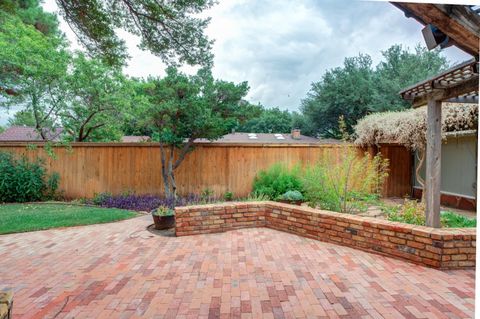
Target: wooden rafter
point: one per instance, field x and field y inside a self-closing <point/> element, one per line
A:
<point x="460" y="82"/>
<point x="458" y="22"/>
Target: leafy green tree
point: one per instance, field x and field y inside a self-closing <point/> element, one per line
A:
<point x="357" y="89"/>
<point x="32" y="66"/>
<point x="22" y="118"/>
<point x="171" y="30"/>
<point x="268" y="121"/>
<point x="301" y="122"/>
<point x="31" y="13"/>
<point x="184" y="108"/>
<point x="401" y="68"/>
<point x="95" y="98"/>
<point x="346" y="91"/>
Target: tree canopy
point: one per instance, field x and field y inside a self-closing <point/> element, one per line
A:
<point x="32" y="66"/>
<point x="22" y="118"/>
<point x="183" y="108"/>
<point x="171" y="30"/>
<point x="357" y="88"/>
<point x="31" y="13"/>
<point x="94" y="99"/>
<point x="268" y="121"/>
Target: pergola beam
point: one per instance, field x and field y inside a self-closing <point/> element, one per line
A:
<point x="462" y="26"/>
<point x="466" y="87"/>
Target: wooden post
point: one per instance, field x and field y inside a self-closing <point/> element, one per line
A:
<point x="433" y="167"/>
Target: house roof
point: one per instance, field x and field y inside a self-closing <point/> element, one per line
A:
<point x="135" y="138"/>
<point x="27" y="134"/>
<point x="266" y="138"/>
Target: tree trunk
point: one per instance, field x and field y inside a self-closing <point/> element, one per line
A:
<point x="169" y="165"/>
<point x="170" y="171"/>
<point x="165" y="175"/>
<point x="420" y="180"/>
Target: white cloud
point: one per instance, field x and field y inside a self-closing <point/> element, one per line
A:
<point x="280" y="46"/>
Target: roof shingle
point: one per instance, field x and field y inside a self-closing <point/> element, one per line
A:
<point x="27" y="134"/>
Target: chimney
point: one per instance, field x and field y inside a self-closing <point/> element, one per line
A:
<point x="296" y="134"/>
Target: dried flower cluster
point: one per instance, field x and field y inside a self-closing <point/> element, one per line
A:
<point x="409" y="127"/>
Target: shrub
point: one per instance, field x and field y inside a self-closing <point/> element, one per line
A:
<point x="450" y="219"/>
<point x="292" y="195"/>
<point x="413" y="212"/>
<point x="207" y="195"/>
<point x="25" y="181"/>
<point x="52" y="186"/>
<point x="338" y="184"/>
<point x="277" y="180"/>
<point x="228" y="196"/>
<point x="99" y="199"/>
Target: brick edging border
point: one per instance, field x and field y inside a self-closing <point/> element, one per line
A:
<point x="446" y="248"/>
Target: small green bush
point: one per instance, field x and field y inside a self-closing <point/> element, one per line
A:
<point x="100" y="198"/>
<point x="292" y="195"/>
<point x="24" y="181"/>
<point x="164" y="211"/>
<point x="411" y="212"/>
<point x="228" y="196"/>
<point x="207" y="195"/>
<point x="276" y="181"/>
<point x="450" y="219"/>
<point x="344" y="183"/>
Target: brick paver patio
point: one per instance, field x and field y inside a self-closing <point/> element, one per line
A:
<point x="120" y="270"/>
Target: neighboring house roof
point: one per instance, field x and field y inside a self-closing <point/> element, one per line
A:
<point x="266" y="138"/>
<point x="135" y="139"/>
<point x="28" y="134"/>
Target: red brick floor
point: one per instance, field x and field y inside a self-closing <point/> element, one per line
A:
<point x="119" y="270"/>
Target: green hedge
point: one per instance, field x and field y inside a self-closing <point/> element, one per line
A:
<point x="25" y="181"/>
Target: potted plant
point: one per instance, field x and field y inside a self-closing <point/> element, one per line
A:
<point x="163" y="217"/>
<point x="291" y="197"/>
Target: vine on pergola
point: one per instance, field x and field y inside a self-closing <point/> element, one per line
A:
<point x="409" y="128"/>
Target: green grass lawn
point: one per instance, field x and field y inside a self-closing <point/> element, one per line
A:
<point x="16" y="218"/>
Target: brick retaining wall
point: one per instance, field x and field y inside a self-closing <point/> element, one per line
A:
<point x="439" y="248"/>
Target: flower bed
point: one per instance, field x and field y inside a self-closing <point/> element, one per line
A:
<point x="439" y="248"/>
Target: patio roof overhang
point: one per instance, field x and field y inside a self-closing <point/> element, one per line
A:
<point x="457" y="84"/>
<point x="459" y="22"/>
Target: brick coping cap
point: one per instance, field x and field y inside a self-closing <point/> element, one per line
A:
<point x="420" y="230"/>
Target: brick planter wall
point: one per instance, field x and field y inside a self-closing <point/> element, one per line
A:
<point x="203" y="219"/>
<point x="439" y="248"/>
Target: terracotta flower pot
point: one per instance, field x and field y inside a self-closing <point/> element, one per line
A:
<point x="163" y="222"/>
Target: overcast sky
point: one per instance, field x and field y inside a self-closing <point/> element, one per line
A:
<point x="281" y="46"/>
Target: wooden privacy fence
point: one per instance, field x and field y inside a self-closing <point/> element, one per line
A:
<point x="89" y="168"/>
